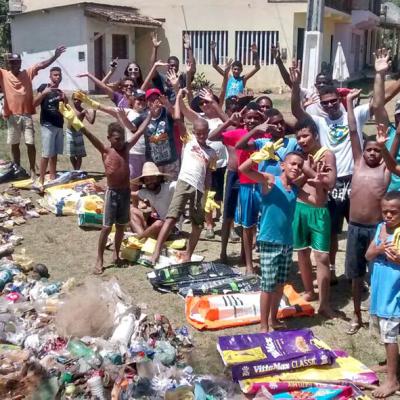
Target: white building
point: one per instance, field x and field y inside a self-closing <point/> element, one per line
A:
<point x="93" y="34"/>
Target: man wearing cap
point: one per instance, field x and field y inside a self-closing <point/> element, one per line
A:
<point x="18" y="103"/>
<point x="158" y="191"/>
<point x="159" y="135"/>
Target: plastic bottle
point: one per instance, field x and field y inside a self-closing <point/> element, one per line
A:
<point x="95" y="384"/>
<point x="79" y="349"/>
<point x="123" y="332"/>
<point x="5" y="276"/>
<point x="52" y="288"/>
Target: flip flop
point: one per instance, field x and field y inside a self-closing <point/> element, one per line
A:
<point x="354" y="328"/>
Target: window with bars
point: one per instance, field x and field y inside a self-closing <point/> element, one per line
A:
<point x="264" y="41"/>
<point x="201" y="46"/>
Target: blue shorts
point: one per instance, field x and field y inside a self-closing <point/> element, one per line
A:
<point x="248" y="206"/>
<point x="231" y="194"/>
<point x="52" y="140"/>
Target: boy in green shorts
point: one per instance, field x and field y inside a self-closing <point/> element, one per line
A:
<point x="312" y="224"/>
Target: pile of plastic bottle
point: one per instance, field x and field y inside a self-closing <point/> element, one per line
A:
<point x="139" y="357"/>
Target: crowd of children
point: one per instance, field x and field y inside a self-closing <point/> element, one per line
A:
<point x="285" y="193"/>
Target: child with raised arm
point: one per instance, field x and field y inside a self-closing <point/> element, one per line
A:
<point x="236" y="82"/>
<point x="278" y="199"/>
<point x="116" y="165"/>
<point x="371" y="177"/>
<point x="75" y="145"/>
<point x="193" y="182"/>
<point x="384" y="254"/>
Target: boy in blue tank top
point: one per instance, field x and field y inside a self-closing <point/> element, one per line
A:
<point x="385" y="287"/>
<point x="278" y="196"/>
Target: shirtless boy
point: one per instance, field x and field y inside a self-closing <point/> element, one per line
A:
<point x="116" y="165"/>
<point x="371" y="178"/>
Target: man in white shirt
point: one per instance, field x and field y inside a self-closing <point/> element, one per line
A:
<point x="334" y="134"/>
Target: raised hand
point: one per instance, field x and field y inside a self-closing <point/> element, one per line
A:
<point x="69" y="114"/>
<point x="186" y="41"/>
<point x="173" y="78"/>
<point x="213" y="45"/>
<point x="353" y="94"/>
<point x="160" y="63"/>
<point x="84" y="98"/>
<point x="295" y="73"/>
<point x="121" y="116"/>
<point x="207" y="95"/>
<point x="228" y="66"/>
<point x="254" y="48"/>
<point x="382" y="62"/>
<point x="381" y="135"/>
<point x="276" y="52"/>
<point x="59" y="50"/>
<point x="154" y="39"/>
<point x="236" y="118"/>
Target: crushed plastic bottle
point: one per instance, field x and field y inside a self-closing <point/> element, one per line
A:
<point x="95" y="385"/>
<point x="79" y="349"/>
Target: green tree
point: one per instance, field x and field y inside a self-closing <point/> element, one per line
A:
<point x="5" y="34"/>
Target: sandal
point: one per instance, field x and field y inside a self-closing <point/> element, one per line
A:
<point x="354" y="328"/>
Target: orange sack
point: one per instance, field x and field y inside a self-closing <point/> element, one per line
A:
<point x="222" y="311"/>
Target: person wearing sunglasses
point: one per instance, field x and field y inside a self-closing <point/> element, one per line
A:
<point x="119" y="97"/>
<point x="335" y="135"/>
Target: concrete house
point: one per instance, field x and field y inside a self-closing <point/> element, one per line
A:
<point x="95" y="32"/>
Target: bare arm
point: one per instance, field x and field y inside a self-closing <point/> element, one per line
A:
<point x="256" y="60"/>
<point x="374" y="251"/>
<point x="282" y="69"/>
<point x="136" y="133"/>
<point x="40" y="96"/>
<point x="106" y="89"/>
<point x="227" y="70"/>
<point x="382" y="64"/>
<point x="46" y="63"/>
<point x="152" y="74"/>
<point x="215" y="65"/>
<point x="244" y="144"/>
<point x="295" y="78"/>
<point x="90" y="116"/>
<point x="96" y="142"/>
<point x="354" y="138"/>
<point x="186" y="111"/>
<point x="247" y="168"/>
<point x="156" y="45"/>
<point x="189" y="52"/>
<point x="109" y="74"/>
<point x="216" y="134"/>
<point x="381" y="139"/>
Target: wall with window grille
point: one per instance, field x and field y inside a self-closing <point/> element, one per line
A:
<point x="263" y="39"/>
<point x="201" y="46"/>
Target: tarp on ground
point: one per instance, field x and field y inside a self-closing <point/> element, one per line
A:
<point x="230" y="310"/>
<point x="63" y="199"/>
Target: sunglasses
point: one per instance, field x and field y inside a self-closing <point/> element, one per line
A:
<point x="133" y="69"/>
<point x="329" y="102"/>
<point x="128" y="85"/>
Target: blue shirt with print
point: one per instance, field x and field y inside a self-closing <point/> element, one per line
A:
<point x="271" y="166"/>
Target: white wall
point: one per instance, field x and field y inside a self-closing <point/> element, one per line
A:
<point x="36" y="35"/>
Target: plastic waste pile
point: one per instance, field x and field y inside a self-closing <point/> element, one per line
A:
<point x="14" y="210"/>
<point x="69" y="341"/>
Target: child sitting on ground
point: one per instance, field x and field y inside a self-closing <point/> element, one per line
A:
<point x="278" y="203"/>
<point x="193" y="181"/>
<point x="116" y="165"/>
<point x="385" y="287"/>
<point x="75" y="145"/>
<point x="159" y="194"/>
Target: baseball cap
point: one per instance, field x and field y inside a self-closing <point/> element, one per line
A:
<point x="397" y="107"/>
<point x="13" y="57"/>
<point x="151" y="91"/>
<point x="138" y="93"/>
